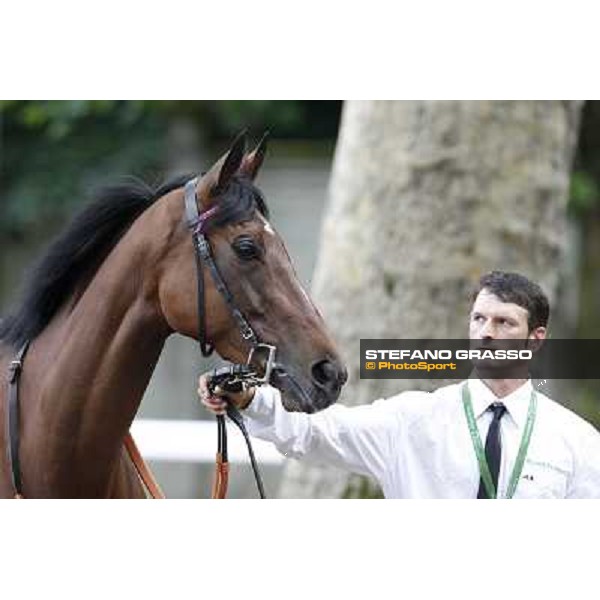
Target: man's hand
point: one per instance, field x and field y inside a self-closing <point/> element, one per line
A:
<point x="217" y="402"/>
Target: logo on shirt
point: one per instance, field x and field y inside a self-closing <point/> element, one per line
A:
<point x="547" y="466"/>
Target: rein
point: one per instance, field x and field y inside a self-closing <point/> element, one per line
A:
<point x="231" y="378"/>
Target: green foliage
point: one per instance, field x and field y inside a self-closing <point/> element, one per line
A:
<point x="360" y="487"/>
<point x="584" y="194"/>
<point x="53" y="152"/>
<point x="286" y="117"/>
<point x="58" y="119"/>
<point x="289" y="118"/>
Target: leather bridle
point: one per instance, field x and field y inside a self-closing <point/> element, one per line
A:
<point x="236" y="373"/>
<point x="12" y="420"/>
<point x="196" y="222"/>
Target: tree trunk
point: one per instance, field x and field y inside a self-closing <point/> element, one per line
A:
<point x="425" y="197"/>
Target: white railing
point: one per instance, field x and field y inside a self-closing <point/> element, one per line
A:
<point x="195" y="441"/>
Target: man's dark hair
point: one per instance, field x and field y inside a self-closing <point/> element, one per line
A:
<point x="515" y="288"/>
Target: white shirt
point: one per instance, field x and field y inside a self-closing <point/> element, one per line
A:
<point x="417" y="444"/>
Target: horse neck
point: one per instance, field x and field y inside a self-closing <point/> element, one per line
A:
<point x="97" y="361"/>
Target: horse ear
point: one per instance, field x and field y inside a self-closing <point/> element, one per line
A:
<point x="219" y="175"/>
<point x="252" y="162"/>
<point x="232" y="161"/>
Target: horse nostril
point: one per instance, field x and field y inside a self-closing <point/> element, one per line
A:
<point x="327" y="374"/>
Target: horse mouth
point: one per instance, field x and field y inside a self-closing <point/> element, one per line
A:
<point x="297" y="397"/>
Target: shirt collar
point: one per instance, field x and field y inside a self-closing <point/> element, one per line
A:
<point x="517" y="402"/>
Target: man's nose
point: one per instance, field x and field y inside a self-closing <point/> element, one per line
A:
<point x="487" y="331"/>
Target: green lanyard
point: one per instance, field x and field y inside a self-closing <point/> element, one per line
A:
<point x="480" y="453"/>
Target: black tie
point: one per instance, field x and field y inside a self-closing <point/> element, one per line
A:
<point x="493" y="447"/>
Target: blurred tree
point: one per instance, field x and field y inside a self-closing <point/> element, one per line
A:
<point x="425" y="197"/>
<point x="585" y="209"/>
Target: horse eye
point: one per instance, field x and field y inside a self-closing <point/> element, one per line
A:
<point x="246" y="248"/>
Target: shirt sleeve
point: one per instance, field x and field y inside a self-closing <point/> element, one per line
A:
<point x="585" y="482"/>
<point x="358" y="439"/>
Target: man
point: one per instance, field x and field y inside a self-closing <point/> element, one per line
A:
<point x="477" y="439"/>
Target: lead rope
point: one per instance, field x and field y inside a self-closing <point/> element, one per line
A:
<point x="234" y="378"/>
<point x="234" y="414"/>
<point x="221" y="477"/>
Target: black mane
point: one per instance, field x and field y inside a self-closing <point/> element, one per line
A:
<point x="77" y="253"/>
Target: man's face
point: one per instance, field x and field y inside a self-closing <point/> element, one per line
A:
<point x="493" y="319"/>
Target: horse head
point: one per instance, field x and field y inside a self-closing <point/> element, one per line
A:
<point x="256" y="269"/>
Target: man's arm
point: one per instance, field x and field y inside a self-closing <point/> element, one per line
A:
<point x="359" y="439"/>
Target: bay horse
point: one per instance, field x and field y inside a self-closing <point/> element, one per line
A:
<point x="100" y="304"/>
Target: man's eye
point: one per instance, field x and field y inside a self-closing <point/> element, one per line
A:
<point x="246" y="248"/>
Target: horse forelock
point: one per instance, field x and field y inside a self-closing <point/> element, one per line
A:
<point x="238" y="203"/>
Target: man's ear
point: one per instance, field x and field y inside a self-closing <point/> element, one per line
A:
<point x="536" y="338"/>
<point x="539" y="333"/>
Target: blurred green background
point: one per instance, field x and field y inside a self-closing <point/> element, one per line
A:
<point x="53" y="152"/>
